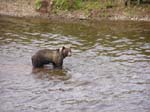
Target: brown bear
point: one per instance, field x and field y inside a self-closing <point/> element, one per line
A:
<point x="46" y="56"/>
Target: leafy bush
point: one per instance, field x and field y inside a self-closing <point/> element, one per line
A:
<point x="67" y="4"/>
<point x="38" y="4"/>
<point x="109" y="4"/>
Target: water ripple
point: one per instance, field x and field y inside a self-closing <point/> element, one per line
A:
<point x="108" y="71"/>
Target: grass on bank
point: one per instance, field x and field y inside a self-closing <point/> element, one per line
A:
<point x="100" y="6"/>
<point x="82" y="4"/>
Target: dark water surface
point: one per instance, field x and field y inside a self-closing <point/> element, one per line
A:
<point x="108" y="72"/>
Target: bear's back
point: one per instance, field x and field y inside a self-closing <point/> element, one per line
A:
<point x="48" y="53"/>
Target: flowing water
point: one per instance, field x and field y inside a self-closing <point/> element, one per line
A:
<point x="109" y="70"/>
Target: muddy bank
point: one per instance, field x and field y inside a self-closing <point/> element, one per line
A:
<point x="27" y="8"/>
<point x="18" y="8"/>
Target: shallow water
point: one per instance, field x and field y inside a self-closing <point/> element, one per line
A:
<point x="108" y="71"/>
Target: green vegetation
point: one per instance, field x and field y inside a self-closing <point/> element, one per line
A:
<point x="38" y="4"/>
<point x="94" y="8"/>
<point x="89" y="5"/>
<point x="97" y="4"/>
<point x="82" y="4"/>
<point x="86" y="4"/>
<point x="67" y="4"/>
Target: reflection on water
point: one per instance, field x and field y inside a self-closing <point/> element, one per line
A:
<point x="109" y="69"/>
<point x="51" y="74"/>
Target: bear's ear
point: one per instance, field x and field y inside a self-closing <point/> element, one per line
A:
<point x="63" y="47"/>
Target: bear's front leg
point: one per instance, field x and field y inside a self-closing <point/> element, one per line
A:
<point x="58" y="64"/>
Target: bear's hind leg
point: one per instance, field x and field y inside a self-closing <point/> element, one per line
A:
<point x="36" y="62"/>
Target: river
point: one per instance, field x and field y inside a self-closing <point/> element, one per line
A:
<point x="109" y="70"/>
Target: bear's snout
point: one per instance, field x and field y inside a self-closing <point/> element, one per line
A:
<point x="69" y="54"/>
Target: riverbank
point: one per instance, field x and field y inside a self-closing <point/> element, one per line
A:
<point x="27" y="8"/>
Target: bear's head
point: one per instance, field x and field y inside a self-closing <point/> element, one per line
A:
<point x="66" y="51"/>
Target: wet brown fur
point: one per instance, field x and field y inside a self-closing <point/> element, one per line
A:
<point x="47" y="56"/>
